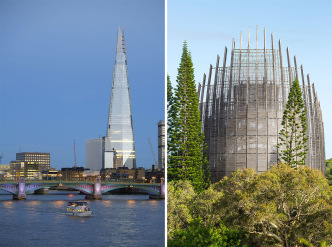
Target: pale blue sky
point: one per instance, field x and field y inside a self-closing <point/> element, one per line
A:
<point x="208" y="26"/>
<point x="56" y="65"/>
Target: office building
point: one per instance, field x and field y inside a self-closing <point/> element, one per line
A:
<point x="71" y="173"/>
<point x="95" y="149"/>
<point x="97" y="154"/>
<point x="42" y="159"/>
<point x="28" y="169"/>
<point x="161" y="144"/>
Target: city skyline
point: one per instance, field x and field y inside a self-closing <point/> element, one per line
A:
<point x="56" y="75"/>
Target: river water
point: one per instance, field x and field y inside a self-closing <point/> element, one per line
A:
<point x="118" y="220"/>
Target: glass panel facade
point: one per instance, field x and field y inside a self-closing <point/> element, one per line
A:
<point x="120" y="123"/>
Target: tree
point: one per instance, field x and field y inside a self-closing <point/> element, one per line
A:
<point x="191" y="221"/>
<point x="180" y="197"/>
<point x="329" y="170"/>
<point x="278" y="207"/>
<point x="173" y="140"/>
<point x="206" y="236"/>
<point x="292" y="148"/>
<point x="186" y="156"/>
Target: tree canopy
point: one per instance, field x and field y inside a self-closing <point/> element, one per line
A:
<point x="280" y="207"/>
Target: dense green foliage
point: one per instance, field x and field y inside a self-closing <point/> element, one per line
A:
<point x="292" y="145"/>
<point x="186" y="159"/>
<point x="172" y="126"/>
<point x="199" y="235"/>
<point x="280" y="207"/>
<point x="190" y="220"/>
<point x="329" y="170"/>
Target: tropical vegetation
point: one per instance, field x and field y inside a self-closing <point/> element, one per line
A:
<point x="280" y="207"/>
<point x="329" y="170"/>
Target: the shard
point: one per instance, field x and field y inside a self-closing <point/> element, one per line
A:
<point x="120" y="136"/>
<point x="242" y="107"/>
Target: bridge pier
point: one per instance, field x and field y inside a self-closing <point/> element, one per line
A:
<point x="93" y="197"/>
<point x="43" y="191"/>
<point x="21" y="190"/>
<point x="96" y="191"/>
<point x="161" y="193"/>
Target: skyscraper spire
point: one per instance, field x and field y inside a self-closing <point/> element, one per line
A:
<point x="120" y="44"/>
<point x="120" y="124"/>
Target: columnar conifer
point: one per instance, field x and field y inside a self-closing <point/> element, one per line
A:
<point x="186" y="159"/>
<point x="292" y="145"/>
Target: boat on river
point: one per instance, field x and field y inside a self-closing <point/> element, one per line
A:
<point x="78" y="208"/>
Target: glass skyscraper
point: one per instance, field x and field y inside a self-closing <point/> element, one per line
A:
<point x="120" y="123"/>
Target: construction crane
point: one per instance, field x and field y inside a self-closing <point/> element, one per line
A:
<point x="154" y="157"/>
<point x="74" y="153"/>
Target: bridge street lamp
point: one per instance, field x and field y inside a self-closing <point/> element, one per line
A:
<point x="131" y="178"/>
<point x="60" y="175"/>
<point x="35" y="176"/>
<point x="107" y="177"/>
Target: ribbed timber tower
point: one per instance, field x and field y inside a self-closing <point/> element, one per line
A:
<point x="242" y="107"/>
<point x="120" y="123"/>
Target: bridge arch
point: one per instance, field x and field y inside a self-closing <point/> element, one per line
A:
<point x="85" y="189"/>
<point x="31" y="187"/>
<point x="147" y="190"/>
<point x="9" y="189"/>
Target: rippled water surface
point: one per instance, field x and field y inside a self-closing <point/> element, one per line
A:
<point x="118" y="220"/>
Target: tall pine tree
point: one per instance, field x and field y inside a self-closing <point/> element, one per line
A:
<point x="172" y="130"/>
<point x="292" y="146"/>
<point x="186" y="159"/>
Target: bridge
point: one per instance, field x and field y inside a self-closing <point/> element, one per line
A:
<point x="92" y="190"/>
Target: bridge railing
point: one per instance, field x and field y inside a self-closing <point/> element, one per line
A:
<point x="76" y="182"/>
<point x="89" y="180"/>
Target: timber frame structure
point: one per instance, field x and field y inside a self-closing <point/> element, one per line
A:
<point x="242" y="108"/>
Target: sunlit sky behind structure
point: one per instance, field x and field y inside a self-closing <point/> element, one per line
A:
<point x="56" y="67"/>
<point x="302" y="25"/>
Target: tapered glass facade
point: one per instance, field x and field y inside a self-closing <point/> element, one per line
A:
<point x="120" y="123"/>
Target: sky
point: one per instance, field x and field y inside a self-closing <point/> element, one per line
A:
<point x="56" y="68"/>
<point x="208" y="26"/>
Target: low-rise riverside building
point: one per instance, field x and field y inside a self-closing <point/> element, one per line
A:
<point x="52" y="174"/>
<point x="28" y="169"/>
<point x="71" y="173"/>
<point x="154" y="175"/>
<point x="123" y="173"/>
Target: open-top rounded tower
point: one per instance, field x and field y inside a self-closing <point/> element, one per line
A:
<point x="242" y="109"/>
